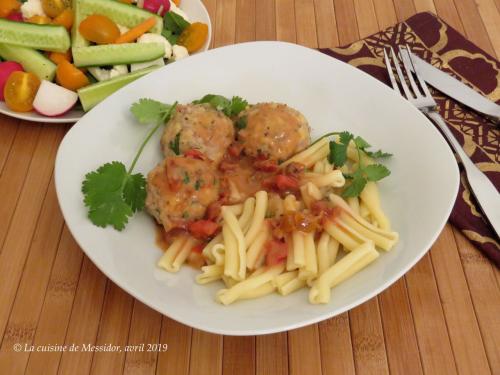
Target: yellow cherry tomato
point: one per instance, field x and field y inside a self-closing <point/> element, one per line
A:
<point x="126" y="1"/>
<point x="70" y="77"/>
<point x="20" y="90"/>
<point x="193" y="37"/>
<point x="64" y="19"/>
<point x="39" y="20"/>
<point x="177" y="2"/>
<point x="53" y="8"/>
<point x="8" y="6"/>
<point x="57" y="57"/>
<point x="99" y="29"/>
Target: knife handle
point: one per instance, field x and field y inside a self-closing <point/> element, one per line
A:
<point x="482" y="188"/>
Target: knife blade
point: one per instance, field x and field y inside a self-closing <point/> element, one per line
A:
<point x="456" y="89"/>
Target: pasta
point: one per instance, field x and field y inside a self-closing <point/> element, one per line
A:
<point x="272" y="241"/>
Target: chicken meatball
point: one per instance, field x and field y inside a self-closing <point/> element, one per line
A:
<point x="198" y="126"/>
<point x="273" y="130"/>
<point x="180" y="189"/>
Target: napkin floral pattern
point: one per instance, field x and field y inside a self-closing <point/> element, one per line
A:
<point x="445" y="48"/>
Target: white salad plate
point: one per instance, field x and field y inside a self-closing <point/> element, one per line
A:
<point x="196" y="12"/>
<point x="418" y="195"/>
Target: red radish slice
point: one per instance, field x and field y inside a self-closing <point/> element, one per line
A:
<point x="6" y="69"/>
<point x="155" y="5"/>
<point x="53" y="100"/>
<point x="15" y="16"/>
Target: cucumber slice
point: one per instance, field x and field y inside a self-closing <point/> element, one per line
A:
<point x="31" y="60"/>
<point x="44" y="37"/>
<point x="123" y="14"/>
<point x="77" y="40"/>
<point x="95" y="93"/>
<point x="117" y="54"/>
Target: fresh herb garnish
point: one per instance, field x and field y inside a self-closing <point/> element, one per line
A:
<point x="186" y="178"/>
<point x="241" y="123"/>
<point x="197" y="184"/>
<point x="174" y="144"/>
<point x="112" y="193"/>
<point x="230" y="107"/>
<point x="363" y="174"/>
<point x="173" y="26"/>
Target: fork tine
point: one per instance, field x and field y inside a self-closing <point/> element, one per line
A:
<point x="422" y="83"/>
<point x="401" y="75"/>
<point x="388" y="65"/>
<point x="407" y="64"/>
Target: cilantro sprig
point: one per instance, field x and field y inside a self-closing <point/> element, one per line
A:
<point x="364" y="173"/>
<point x="112" y="193"/>
<point x="173" y="26"/>
<point x="230" y="107"/>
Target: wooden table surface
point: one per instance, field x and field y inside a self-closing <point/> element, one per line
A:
<point x="443" y="317"/>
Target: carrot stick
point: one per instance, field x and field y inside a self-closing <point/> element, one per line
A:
<point x="136" y="31"/>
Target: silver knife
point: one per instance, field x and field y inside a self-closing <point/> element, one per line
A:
<point x="456" y="89"/>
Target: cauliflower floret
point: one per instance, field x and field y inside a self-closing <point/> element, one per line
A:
<point x="179" y="52"/>
<point x="32" y="8"/>
<point x="156" y="38"/>
<point x="105" y="74"/>
<point x="174" y="8"/>
<point x="123" y="29"/>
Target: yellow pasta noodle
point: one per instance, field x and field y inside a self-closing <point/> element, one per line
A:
<point x="235" y="246"/>
<point x="299" y="255"/>
<point x="288" y="282"/>
<point x="177" y="253"/>
<point x="209" y="274"/>
<point x="259" y="215"/>
<point x="310" y="155"/>
<point x="228" y="296"/>
<point x="356" y="224"/>
<point x="334" y="179"/>
<point x="371" y="198"/>
<point x="310" y="193"/>
<point x="256" y="248"/>
<point x="310" y="268"/>
<point x="353" y="262"/>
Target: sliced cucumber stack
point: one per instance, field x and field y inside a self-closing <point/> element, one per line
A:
<point x="31" y="60"/>
<point x="44" y="37"/>
<point x="117" y="54"/>
<point x="95" y="93"/>
<point x="123" y="14"/>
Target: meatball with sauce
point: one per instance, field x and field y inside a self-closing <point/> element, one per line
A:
<point x="274" y="131"/>
<point x="201" y="127"/>
<point x="180" y="189"/>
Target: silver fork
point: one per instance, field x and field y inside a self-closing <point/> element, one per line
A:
<point x="418" y="94"/>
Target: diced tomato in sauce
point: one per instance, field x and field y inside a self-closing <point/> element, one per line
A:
<point x="198" y="248"/>
<point x="284" y="182"/>
<point x="235" y="149"/>
<point x="213" y="210"/>
<point x="267" y="165"/>
<point x="195" y="154"/>
<point x="203" y="229"/>
<point x="277" y="252"/>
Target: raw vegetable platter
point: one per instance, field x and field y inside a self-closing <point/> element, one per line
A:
<point x="59" y="58"/>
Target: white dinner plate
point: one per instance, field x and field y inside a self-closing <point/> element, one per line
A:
<point x="418" y="196"/>
<point x="196" y="12"/>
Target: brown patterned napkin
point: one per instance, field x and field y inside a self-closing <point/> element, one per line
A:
<point x="442" y="46"/>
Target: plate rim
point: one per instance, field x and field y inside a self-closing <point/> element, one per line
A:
<point x="328" y="314"/>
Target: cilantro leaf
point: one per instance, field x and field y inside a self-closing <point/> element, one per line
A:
<point x="148" y="111"/>
<point x="361" y="143"/>
<point x="345" y="138"/>
<point x="174" y="144"/>
<point x="134" y="191"/>
<point x="379" y="154"/>
<point x="103" y="195"/>
<point x="356" y="187"/>
<point x="237" y="105"/>
<point x="230" y="107"/>
<point x="241" y="123"/>
<point x="174" y="22"/>
<point x="338" y="154"/>
<point x="375" y="172"/>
